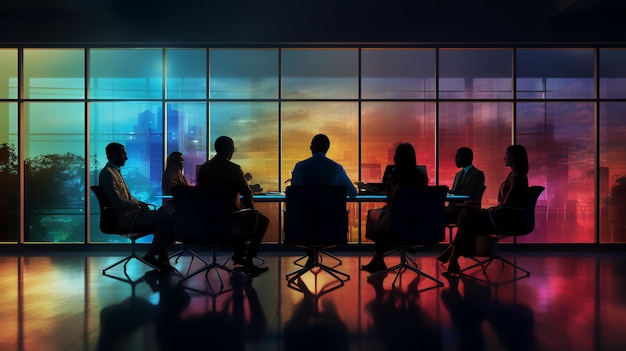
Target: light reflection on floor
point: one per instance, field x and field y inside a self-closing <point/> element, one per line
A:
<point x="61" y="301"/>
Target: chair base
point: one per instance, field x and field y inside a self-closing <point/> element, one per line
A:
<point x="125" y="261"/>
<point x="340" y="276"/>
<point x="177" y="255"/>
<point x="320" y="252"/>
<point x="213" y="265"/>
<point x="484" y="264"/>
<point x="406" y="263"/>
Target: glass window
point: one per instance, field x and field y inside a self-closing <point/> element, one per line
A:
<point x="300" y="121"/>
<point x="320" y="74"/>
<point x="9" y="204"/>
<point x="555" y="74"/>
<point x="253" y="126"/>
<point x="186" y="74"/>
<point x="54" y="161"/>
<point x="559" y="138"/>
<point x="139" y="127"/>
<point x="612" y="172"/>
<point x="8" y="74"/>
<point x="475" y="74"/>
<point x="398" y="74"/>
<point x="187" y="133"/>
<point x="54" y="73"/>
<point x="244" y="74"/>
<point x="384" y="125"/>
<point x="612" y="74"/>
<point x="484" y="127"/>
<point x="126" y="73"/>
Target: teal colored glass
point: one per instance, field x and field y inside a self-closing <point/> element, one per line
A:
<point x="612" y="73"/>
<point x="320" y="74"/>
<point x="555" y="74"/>
<point x="612" y="196"/>
<point x="8" y="73"/>
<point x="54" y="73"/>
<point x="187" y="133"/>
<point x="54" y="164"/>
<point x="9" y="204"/>
<point x="186" y="74"/>
<point x="139" y="127"/>
<point x="384" y="125"/>
<point x="243" y="74"/>
<point x="559" y="138"/>
<point x="398" y="73"/>
<point x="475" y="74"/>
<point x="126" y="73"/>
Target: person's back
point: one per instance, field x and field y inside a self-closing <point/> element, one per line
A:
<point x="320" y="170"/>
<point x="220" y="171"/>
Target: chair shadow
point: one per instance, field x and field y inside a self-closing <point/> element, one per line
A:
<point x="314" y="328"/>
<point x="513" y="323"/>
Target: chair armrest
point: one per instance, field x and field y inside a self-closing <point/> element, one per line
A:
<point x="242" y="210"/>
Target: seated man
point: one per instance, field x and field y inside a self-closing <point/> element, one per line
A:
<point x="220" y="171"/>
<point x="148" y="221"/>
<point x="321" y="170"/>
<point x="468" y="181"/>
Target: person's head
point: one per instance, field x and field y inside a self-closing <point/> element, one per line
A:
<point x="175" y="162"/>
<point x="516" y="158"/>
<point x="320" y="143"/>
<point x="225" y="146"/>
<point x="464" y="157"/>
<point x="116" y="154"/>
<point x="405" y="156"/>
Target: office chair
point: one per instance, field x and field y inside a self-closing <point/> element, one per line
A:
<point x="316" y="218"/>
<point x="108" y="225"/>
<point x="416" y="220"/>
<point x="203" y="216"/>
<point x="488" y="246"/>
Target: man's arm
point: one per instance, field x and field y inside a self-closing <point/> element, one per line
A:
<point x="244" y="190"/>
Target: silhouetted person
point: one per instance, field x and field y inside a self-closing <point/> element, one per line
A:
<point x="508" y="214"/>
<point x="378" y="225"/>
<point x="221" y="172"/>
<point x="172" y="176"/>
<point x="468" y="181"/>
<point x="321" y="170"/>
<point x="147" y="221"/>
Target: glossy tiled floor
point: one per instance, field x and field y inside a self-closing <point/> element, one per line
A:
<point x="61" y="301"/>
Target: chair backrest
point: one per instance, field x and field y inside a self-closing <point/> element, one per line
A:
<point x="529" y="213"/>
<point x="202" y="215"/>
<point x="108" y="222"/>
<point x="417" y="215"/>
<point x="315" y="216"/>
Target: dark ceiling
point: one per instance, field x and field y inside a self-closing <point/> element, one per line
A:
<point x="258" y="22"/>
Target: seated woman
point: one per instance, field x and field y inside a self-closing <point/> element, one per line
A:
<point x="172" y="176"/>
<point x="378" y="225"/>
<point x="509" y="213"/>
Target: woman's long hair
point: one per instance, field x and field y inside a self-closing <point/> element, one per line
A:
<point x="174" y="170"/>
<point x="520" y="158"/>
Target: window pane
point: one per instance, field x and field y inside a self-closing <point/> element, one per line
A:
<point x="319" y="74"/>
<point x="186" y="74"/>
<point x="384" y="125"/>
<point x="139" y="127"/>
<point x="612" y="73"/>
<point x="555" y="74"/>
<point x="54" y="161"/>
<point x="559" y="138"/>
<point x="475" y="74"/>
<point x="8" y="74"/>
<point x="398" y="74"/>
<point x="126" y="73"/>
<point x="254" y="128"/>
<point x="9" y="204"/>
<point x="483" y="127"/>
<point x="244" y="74"/>
<point x="339" y="121"/>
<point x="54" y="74"/>
<point x="187" y="133"/>
<point x="612" y="173"/>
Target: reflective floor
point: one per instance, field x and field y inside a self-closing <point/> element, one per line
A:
<point x="62" y="301"/>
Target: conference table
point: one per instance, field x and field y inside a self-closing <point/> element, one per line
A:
<point x="280" y="197"/>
